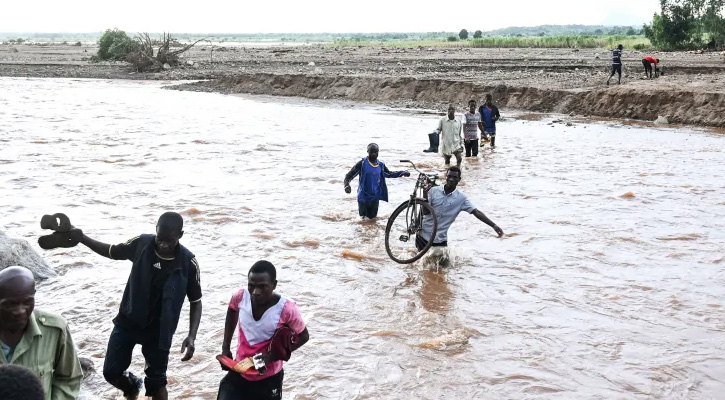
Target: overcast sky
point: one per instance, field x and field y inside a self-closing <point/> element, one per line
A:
<point x="270" y="16"/>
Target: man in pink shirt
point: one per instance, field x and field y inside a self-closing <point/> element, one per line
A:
<point x="259" y="312"/>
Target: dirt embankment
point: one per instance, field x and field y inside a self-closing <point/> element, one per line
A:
<point x="544" y="80"/>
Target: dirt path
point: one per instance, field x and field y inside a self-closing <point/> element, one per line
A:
<point x="546" y="80"/>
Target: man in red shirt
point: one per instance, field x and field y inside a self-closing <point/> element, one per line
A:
<point x="647" y="62"/>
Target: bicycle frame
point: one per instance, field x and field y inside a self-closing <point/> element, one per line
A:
<point x="413" y="215"/>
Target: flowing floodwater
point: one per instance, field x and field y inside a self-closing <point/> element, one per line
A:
<point x="607" y="285"/>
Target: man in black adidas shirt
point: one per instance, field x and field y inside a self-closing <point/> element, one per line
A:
<point x="163" y="273"/>
<point x="616" y="64"/>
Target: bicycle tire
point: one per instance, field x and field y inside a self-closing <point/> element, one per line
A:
<point x="395" y="215"/>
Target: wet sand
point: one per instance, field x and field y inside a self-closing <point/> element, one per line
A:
<point x="607" y="285"/>
<point x="543" y="80"/>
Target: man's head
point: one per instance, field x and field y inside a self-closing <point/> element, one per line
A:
<point x="19" y="383"/>
<point x="471" y="106"/>
<point x="169" y="230"/>
<point x="17" y="298"/>
<point x="620" y="47"/>
<point x="261" y="282"/>
<point x="373" y="151"/>
<point x="489" y="98"/>
<point x="453" y="176"/>
<point x="451" y="111"/>
<point x="657" y="60"/>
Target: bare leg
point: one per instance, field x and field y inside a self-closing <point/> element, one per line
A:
<point x="162" y="394"/>
<point x="447" y="159"/>
<point x="458" y="159"/>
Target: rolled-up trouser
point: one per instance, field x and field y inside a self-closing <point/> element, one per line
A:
<point x="471" y="147"/>
<point x="118" y="359"/>
<point x="420" y="243"/>
<point x="457" y="153"/>
<point x="234" y="387"/>
<point x="369" y="209"/>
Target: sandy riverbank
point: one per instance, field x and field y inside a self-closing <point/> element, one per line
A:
<point x="544" y="80"/>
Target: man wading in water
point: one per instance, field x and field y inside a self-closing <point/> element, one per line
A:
<point x="447" y="203"/>
<point x="262" y="317"/>
<point x="163" y="273"/>
<point x="451" y="141"/>
<point x="371" y="186"/>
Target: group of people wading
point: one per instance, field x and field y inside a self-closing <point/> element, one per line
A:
<point x="447" y="201"/>
<point x="163" y="273"/>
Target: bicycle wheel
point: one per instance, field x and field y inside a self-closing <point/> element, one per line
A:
<point x="403" y="226"/>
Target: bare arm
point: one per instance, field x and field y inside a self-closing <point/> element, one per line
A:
<point x="483" y="218"/>
<point x="229" y="325"/>
<point x="194" y="320"/>
<point x="97" y="247"/>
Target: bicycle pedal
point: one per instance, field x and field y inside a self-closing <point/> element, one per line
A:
<point x="403" y="238"/>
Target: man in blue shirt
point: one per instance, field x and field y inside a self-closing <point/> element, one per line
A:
<point x="371" y="187"/>
<point x="489" y="116"/>
<point x="447" y="203"/>
<point x="163" y="273"/>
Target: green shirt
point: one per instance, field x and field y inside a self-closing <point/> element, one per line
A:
<point x="47" y="349"/>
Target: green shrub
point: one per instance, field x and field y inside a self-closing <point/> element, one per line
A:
<point x="452" y="38"/>
<point x="115" y="45"/>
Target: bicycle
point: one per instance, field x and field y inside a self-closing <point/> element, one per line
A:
<point x="402" y="229"/>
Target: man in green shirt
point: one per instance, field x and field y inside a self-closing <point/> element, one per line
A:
<point x="35" y="339"/>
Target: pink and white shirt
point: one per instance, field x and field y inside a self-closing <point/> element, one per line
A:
<point x="254" y="336"/>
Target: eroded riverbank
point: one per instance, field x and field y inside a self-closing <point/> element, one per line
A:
<point x="546" y="80"/>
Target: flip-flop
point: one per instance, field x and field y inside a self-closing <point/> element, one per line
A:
<point x="56" y="222"/>
<point x="60" y="239"/>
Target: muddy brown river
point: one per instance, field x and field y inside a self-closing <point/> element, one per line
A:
<point x="609" y="282"/>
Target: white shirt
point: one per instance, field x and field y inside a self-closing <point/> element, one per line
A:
<point x="451" y="139"/>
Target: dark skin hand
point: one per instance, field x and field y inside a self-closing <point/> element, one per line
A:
<point x="452" y="179"/>
<point x="261" y="288"/>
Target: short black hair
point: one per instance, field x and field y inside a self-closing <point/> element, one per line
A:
<point x="264" y="266"/>
<point x="371" y="145"/>
<point x="19" y="383"/>
<point x="471" y="101"/>
<point x="620" y="46"/>
<point x="172" y="221"/>
<point x="488" y="96"/>
<point x="454" y="169"/>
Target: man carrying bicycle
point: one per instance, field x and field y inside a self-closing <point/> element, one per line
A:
<point x="371" y="188"/>
<point x="447" y="203"/>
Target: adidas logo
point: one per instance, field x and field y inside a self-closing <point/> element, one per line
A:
<point x="157" y="265"/>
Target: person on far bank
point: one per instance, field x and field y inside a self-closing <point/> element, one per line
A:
<point x="447" y="203"/>
<point x="163" y="273"/>
<point x="261" y="318"/>
<point x="37" y="340"/>
<point x="647" y="63"/>
<point x="616" y="64"/>
<point x="371" y="184"/>
<point x="489" y="116"/>
<point x="451" y="142"/>
<point x="470" y="129"/>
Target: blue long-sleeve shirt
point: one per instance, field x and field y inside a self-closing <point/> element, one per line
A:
<point x="372" y="186"/>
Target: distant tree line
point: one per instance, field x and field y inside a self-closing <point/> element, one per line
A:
<point x="688" y="24"/>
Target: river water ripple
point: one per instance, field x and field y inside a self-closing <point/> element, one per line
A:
<point x="608" y="283"/>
